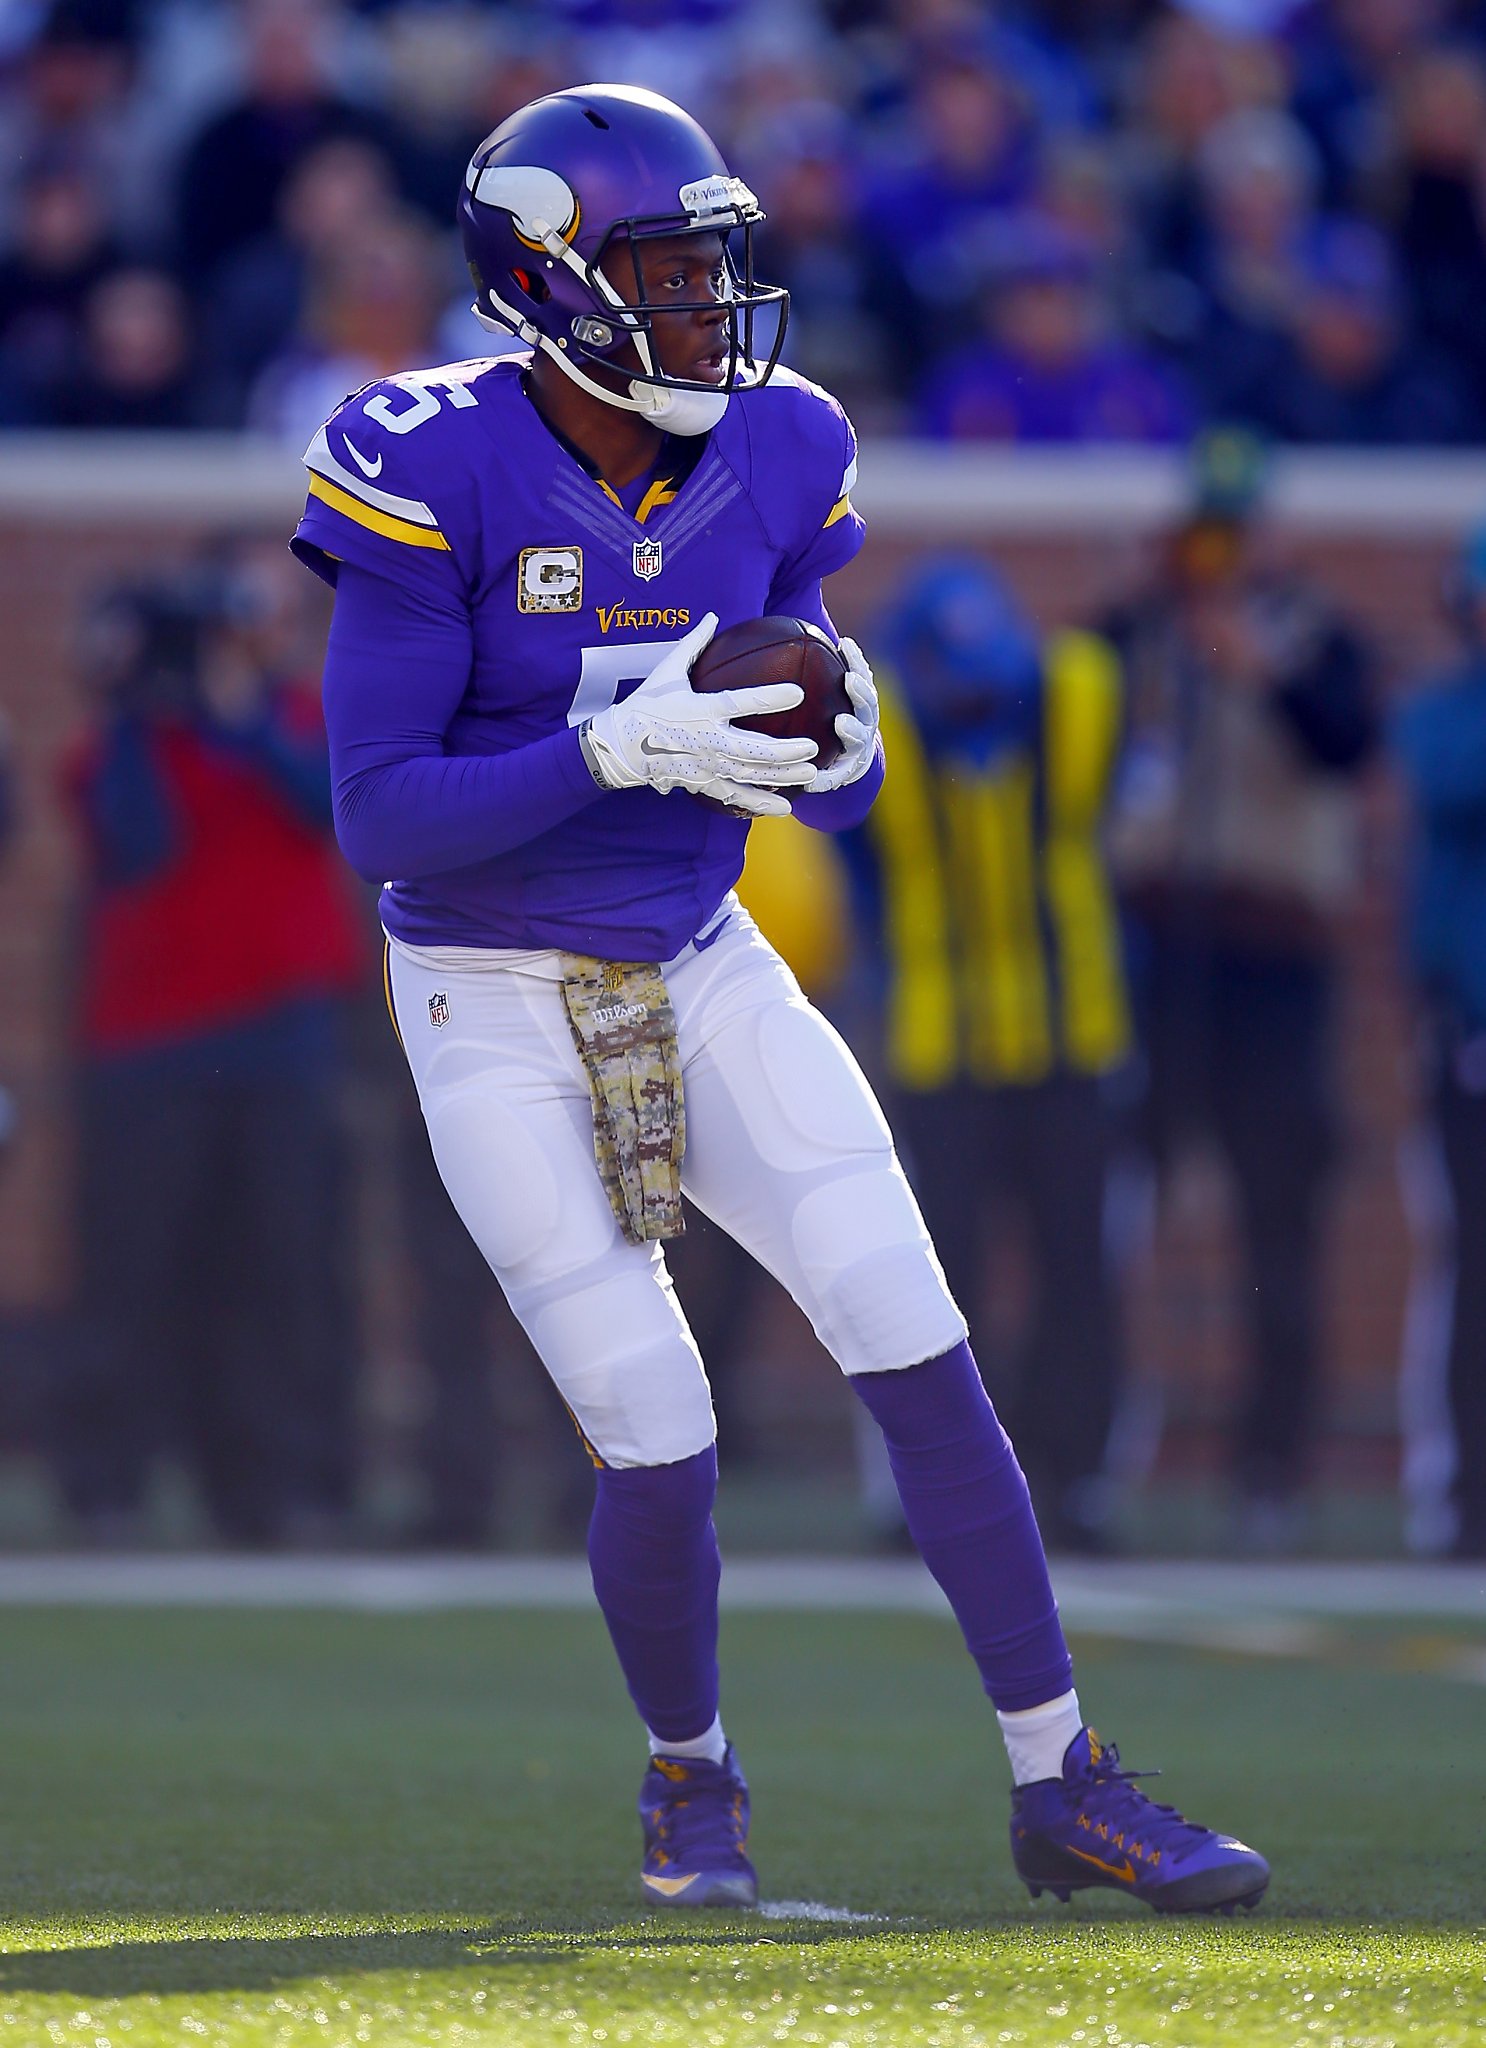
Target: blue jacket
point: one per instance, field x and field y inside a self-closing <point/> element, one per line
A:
<point x="1440" y="739"/>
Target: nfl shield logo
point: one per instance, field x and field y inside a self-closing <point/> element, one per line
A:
<point x="647" y="558"/>
<point x="438" y="1010"/>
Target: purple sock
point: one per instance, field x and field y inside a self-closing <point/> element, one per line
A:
<point x="653" y="1552"/>
<point x="967" y="1509"/>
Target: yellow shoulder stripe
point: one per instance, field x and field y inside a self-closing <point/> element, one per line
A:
<point x="379" y="522"/>
<point x="838" y="511"/>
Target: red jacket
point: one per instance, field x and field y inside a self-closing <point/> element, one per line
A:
<point x="246" y="911"/>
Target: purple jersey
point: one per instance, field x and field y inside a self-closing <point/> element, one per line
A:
<point x="448" y="484"/>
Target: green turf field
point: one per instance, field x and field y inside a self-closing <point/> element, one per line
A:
<point x="293" y="1828"/>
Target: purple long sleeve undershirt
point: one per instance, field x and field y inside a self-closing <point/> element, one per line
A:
<point x="396" y="670"/>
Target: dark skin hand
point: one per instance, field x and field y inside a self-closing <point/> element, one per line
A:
<point x="623" y="445"/>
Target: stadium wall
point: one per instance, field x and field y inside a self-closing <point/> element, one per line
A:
<point x="1071" y="528"/>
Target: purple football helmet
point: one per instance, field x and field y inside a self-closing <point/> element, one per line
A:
<point x="553" y="191"/>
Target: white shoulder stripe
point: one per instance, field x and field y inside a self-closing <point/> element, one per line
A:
<point x="319" y="458"/>
<point x="848" y="482"/>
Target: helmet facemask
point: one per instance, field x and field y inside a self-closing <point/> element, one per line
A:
<point x="722" y="206"/>
<point x="742" y="296"/>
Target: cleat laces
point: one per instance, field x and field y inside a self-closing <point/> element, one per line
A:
<point x="692" y="1829"/>
<point x="1144" y="1822"/>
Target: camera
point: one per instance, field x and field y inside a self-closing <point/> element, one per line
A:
<point x="141" y="647"/>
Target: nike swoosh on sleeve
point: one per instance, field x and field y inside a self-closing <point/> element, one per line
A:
<point x="366" y="468"/>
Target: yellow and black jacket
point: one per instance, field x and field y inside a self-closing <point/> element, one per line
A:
<point x="998" y="929"/>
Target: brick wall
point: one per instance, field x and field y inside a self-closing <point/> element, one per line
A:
<point x="1183" y="1310"/>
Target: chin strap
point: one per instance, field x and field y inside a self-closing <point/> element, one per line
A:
<point x="681" y="412"/>
<point x="675" y="412"/>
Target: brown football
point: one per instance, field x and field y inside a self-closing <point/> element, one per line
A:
<point x="781" y="651"/>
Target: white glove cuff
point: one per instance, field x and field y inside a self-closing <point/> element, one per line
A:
<point x="605" y="764"/>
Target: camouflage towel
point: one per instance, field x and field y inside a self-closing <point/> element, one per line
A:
<point x="625" y="1030"/>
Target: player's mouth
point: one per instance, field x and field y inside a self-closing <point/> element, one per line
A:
<point x="711" y="368"/>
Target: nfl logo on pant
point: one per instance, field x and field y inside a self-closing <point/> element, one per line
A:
<point x="647" y="558"/>
<point x="438" y="1010"/>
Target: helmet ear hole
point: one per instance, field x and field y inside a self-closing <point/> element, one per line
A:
<point x="535" y="288"/>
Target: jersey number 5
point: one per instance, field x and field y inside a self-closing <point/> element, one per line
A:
<point x="605" y="669"/>
<point x="425" y="403"/>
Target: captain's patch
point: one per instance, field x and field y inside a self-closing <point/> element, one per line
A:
<point x="550" y="580"/>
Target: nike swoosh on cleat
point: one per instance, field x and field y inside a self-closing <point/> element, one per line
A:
<point x="366" y="468"/>
<point x="1123" y="1871"/>
<point x="668" y="1887"/>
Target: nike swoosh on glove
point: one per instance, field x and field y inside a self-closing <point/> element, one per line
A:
<point x="856" y="729"/>
<point x="666" y="735"/>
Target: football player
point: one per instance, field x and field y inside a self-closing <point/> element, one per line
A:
<point x="529" y="552"/>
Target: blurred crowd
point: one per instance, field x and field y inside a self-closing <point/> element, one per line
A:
<point x="1005" y="220"/>
<point x="1093" y="922"/>
<point x="1094" y="919"/>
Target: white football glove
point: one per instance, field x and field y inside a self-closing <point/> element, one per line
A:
<point x="858" y="735"/>
<point x="666" y="735"/>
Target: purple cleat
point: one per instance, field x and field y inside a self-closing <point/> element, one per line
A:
<point x="1093" y="1826"/>
<point x="695" y="1817"/>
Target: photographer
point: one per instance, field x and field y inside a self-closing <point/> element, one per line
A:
<point x="1235" y="842"/>
<point x="215" y="944"/>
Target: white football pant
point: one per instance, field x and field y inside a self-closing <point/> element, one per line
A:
<point x="786" y="1149"/>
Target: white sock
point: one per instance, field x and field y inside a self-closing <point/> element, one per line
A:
<point x="1036" y="1738"/>
<point x="711" y="1744"/>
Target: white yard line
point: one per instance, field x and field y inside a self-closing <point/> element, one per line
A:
<point x="1427" y="1590"/>
<point x="809" y="1909"/>
<point x="1255" y="1608"/>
